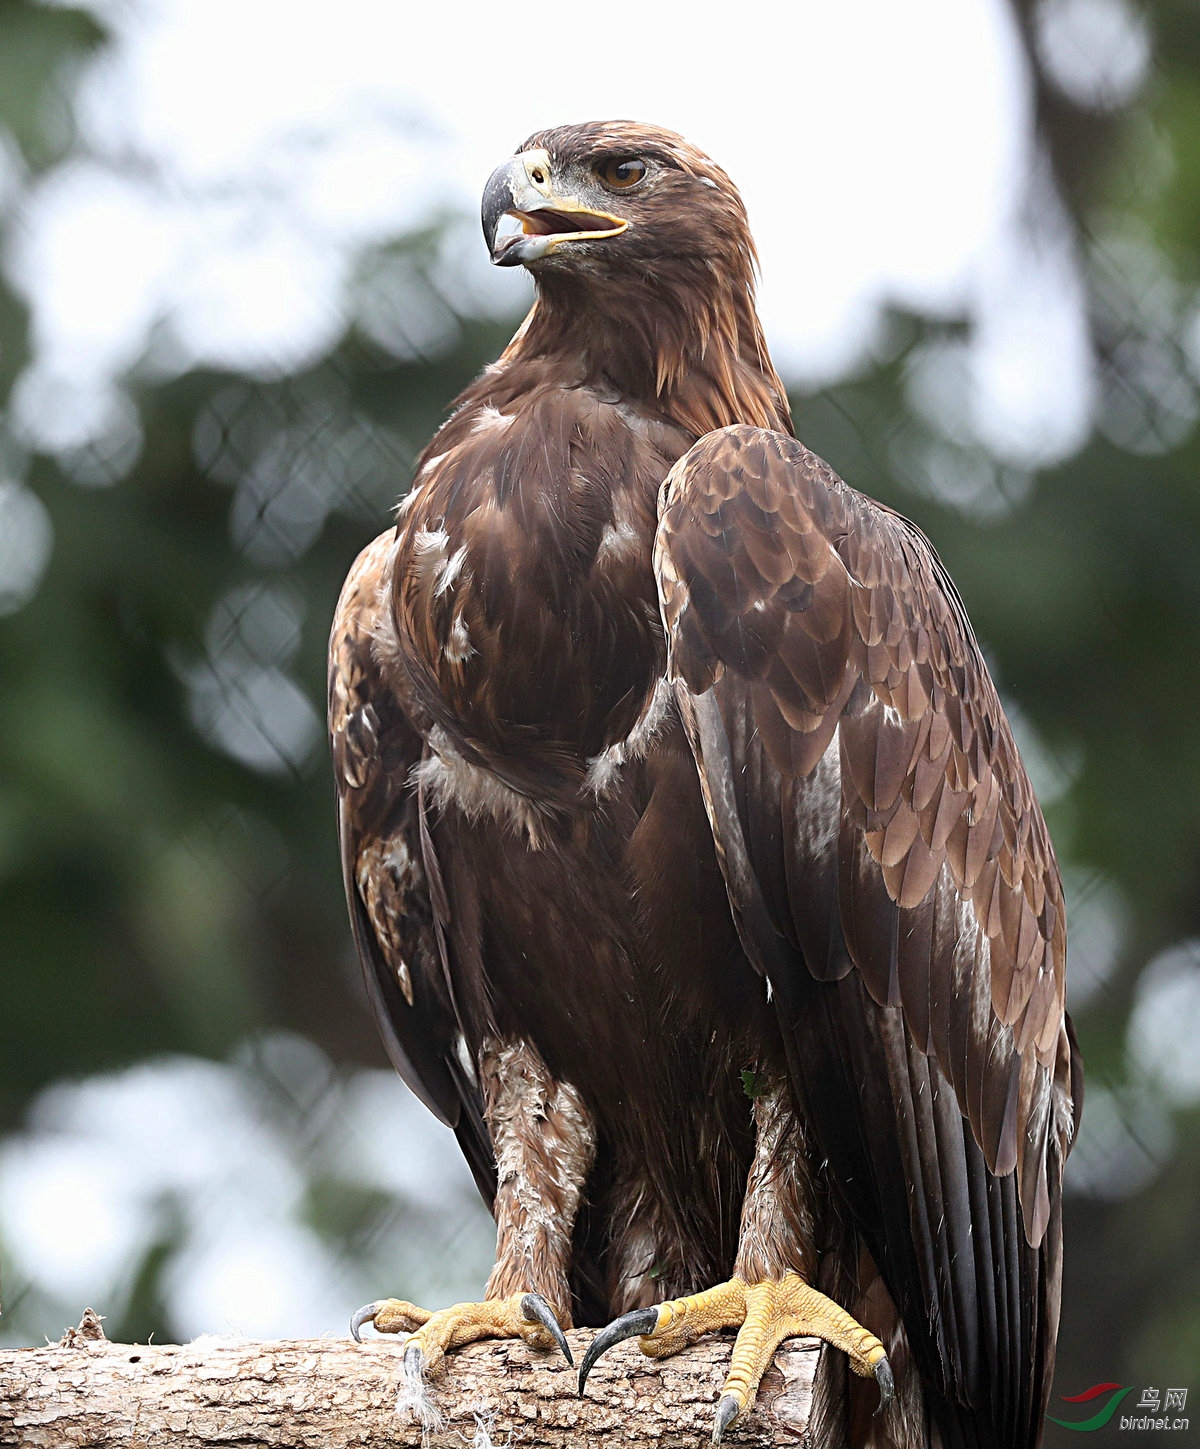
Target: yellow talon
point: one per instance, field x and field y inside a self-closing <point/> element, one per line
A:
<point x="764" y="1314"/>
<point x="521" y="1315"/>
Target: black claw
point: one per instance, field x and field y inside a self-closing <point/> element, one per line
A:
<point x="887" y="1384"/>
<point x="629" y="1325"/>
<point x="366" y="1314"/>
<point x="727" y="1412"/>
<point x="414" y="1363"/>
<point x="535" y="1309"/>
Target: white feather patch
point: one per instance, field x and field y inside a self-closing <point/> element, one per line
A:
<point x="413" y="1399"/>
<point x="451" y="570"/>
<point x="490" y="418"/>
<point x="618" y="541"/>
<point x="465" y="1060"/>
<point x="449" y="779"/>
<point x="458" y="647"/>
<point x="429" y="554"/>
<point x="604" y="768"/>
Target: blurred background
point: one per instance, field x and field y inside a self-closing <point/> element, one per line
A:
<point x="240" y="280"/>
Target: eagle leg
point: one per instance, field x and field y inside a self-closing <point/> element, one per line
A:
<point x="764" y="1314"/>
<point x="768" y="1298"/>
<point x="520" y="1315"/>
<point x="544" y="1144"/>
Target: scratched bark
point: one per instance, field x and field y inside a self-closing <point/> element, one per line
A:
<point x="330" y="1393"/>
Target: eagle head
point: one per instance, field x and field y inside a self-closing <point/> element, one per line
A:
<point x="611" y="197"/>
<point x="644" y="266"/>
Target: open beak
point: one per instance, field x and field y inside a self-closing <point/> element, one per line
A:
<point x="521" y="189"/>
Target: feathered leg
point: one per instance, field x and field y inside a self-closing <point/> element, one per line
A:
<point x="544" y="1143"/>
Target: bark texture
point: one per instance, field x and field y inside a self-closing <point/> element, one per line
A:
<point x="330" y="1393"/>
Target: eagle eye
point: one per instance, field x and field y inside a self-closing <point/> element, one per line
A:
<point x="622" y="172"/>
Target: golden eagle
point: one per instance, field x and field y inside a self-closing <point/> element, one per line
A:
<point x="697" y="881"/>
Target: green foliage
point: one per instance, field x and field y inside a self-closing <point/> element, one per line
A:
<point x="39" y="50"/>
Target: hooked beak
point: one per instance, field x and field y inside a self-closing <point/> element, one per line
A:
<point x="521" y="188"/>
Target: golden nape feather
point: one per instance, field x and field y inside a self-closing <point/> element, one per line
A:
<point x="696" y="877"/>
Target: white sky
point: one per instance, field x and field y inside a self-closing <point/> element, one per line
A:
<point x="215" y="1159"/>
<point x="237" y="155"/>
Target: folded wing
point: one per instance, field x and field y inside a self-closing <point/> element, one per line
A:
<point x="892" y="877"/>
<point x="391" y="875"/>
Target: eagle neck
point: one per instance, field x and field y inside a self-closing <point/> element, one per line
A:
<point x="676" y="345"/>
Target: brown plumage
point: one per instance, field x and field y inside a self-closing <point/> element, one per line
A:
<point x="667" y="763"/>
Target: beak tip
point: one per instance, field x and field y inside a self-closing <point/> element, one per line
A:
<point x="498" y="197"/>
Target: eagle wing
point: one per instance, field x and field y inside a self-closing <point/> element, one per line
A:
<point x="391" y="874"/>
<point x="892" y="876"/>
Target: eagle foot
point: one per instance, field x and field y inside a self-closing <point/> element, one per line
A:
<point x="521" y="1315"/>
<point x="764" y="1315"/>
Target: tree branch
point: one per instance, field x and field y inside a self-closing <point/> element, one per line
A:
<point x="333" y="1394"/>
